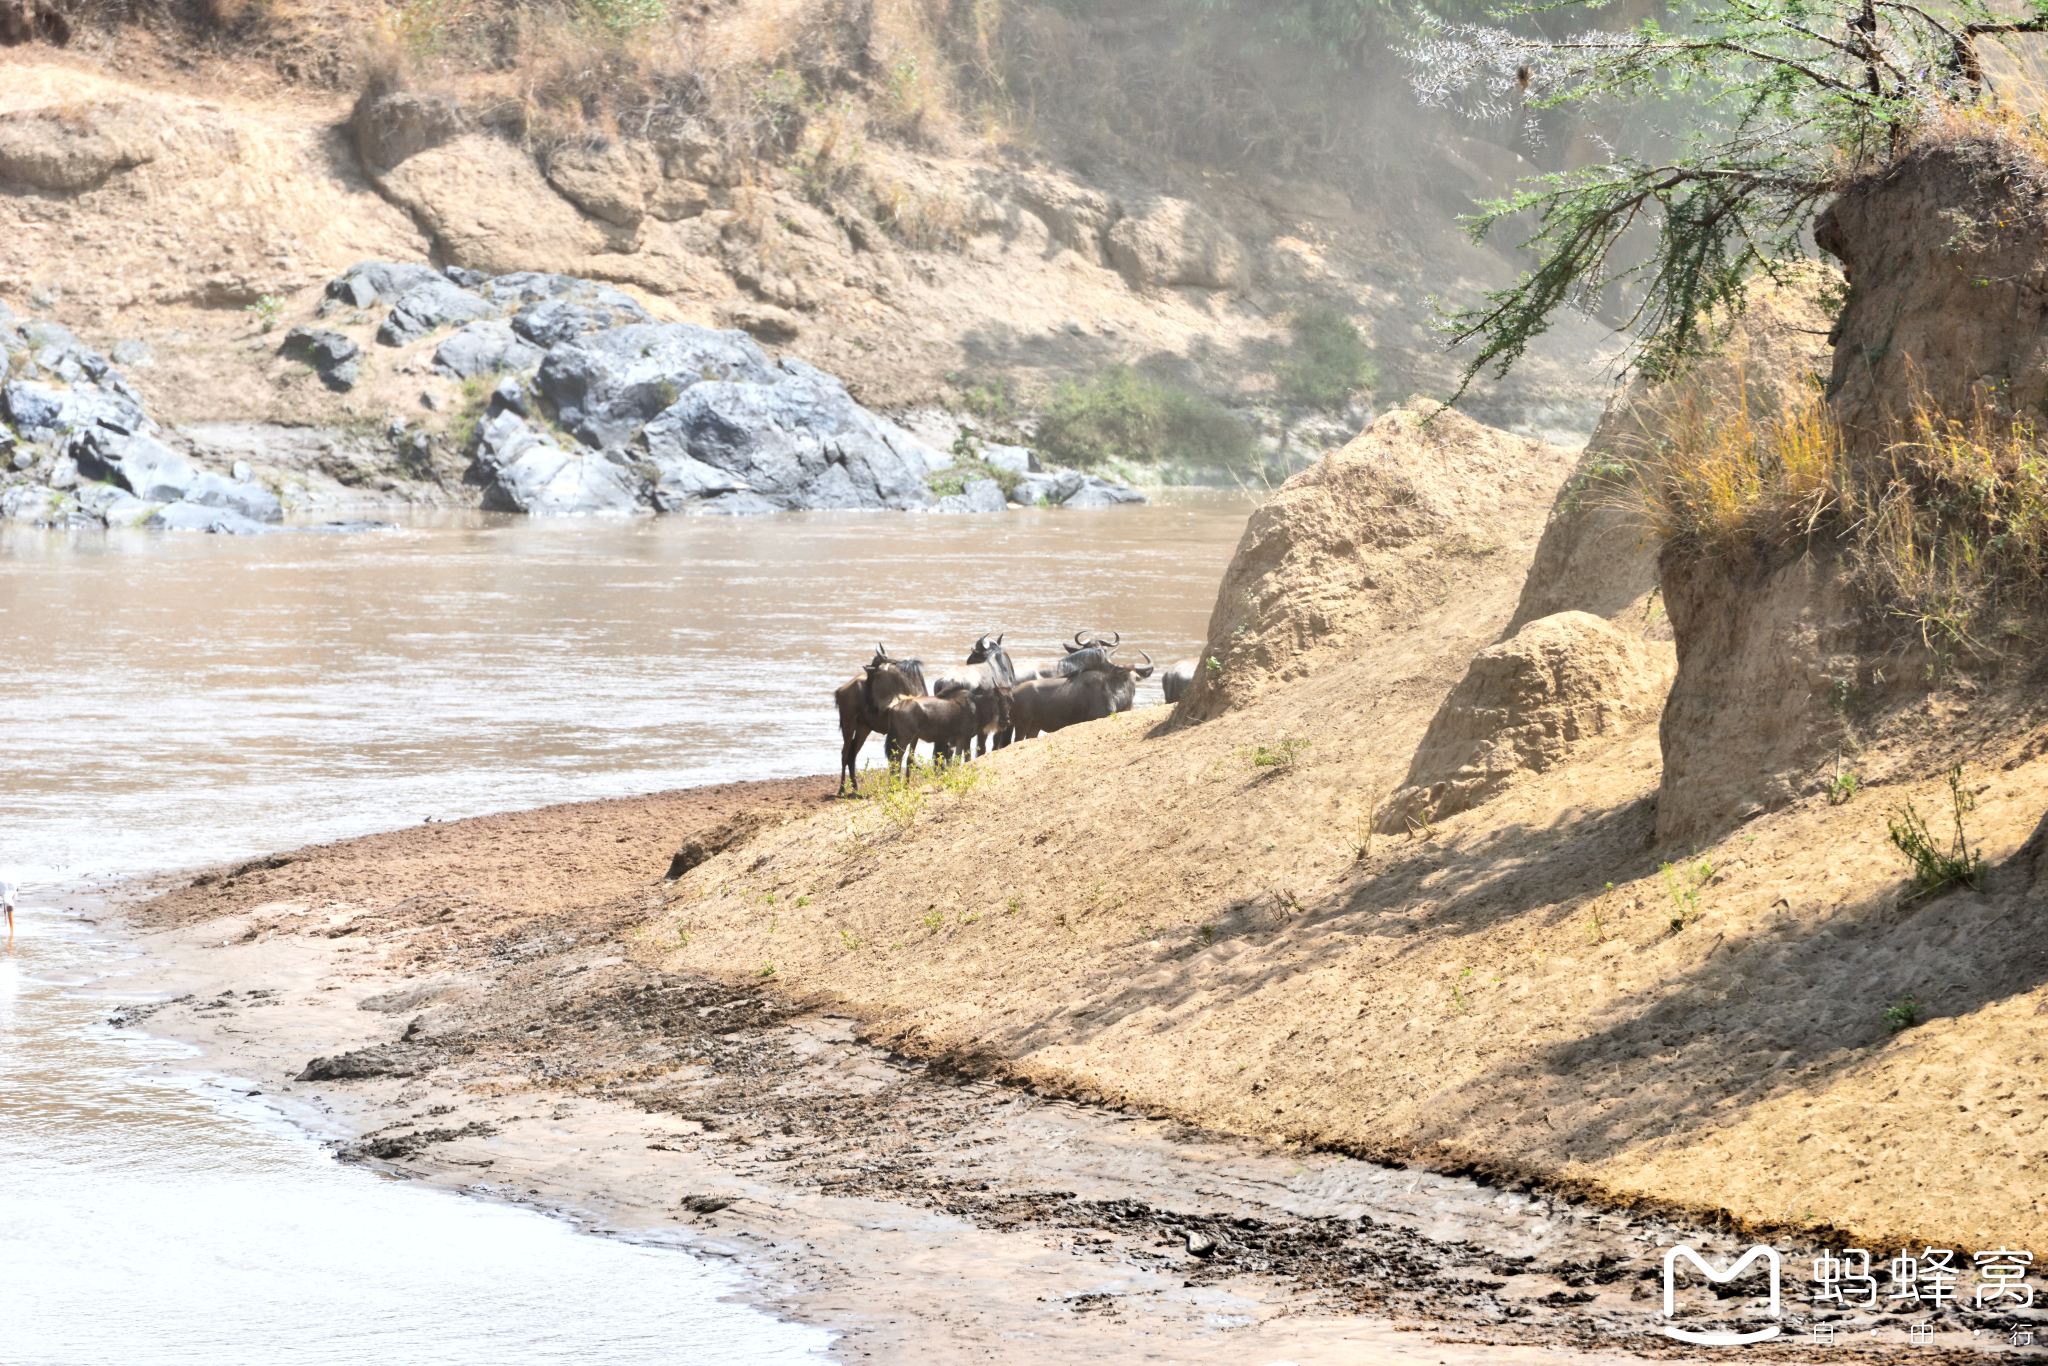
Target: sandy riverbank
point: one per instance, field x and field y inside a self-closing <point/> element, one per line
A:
<point x="494" y="1021"/>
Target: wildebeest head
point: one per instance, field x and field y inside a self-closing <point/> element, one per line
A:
<point x="984" y="646"/>
<point x="912" y="671"/>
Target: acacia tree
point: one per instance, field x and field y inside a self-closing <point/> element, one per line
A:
<point x="1785" y="99"/>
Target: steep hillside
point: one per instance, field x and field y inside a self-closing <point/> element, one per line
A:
<point x="828" y="188"/>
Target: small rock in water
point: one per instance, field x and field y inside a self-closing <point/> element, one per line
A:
<point x="1201" y="1244"/>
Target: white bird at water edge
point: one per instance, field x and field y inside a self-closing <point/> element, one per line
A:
<point x="10" y="887"/>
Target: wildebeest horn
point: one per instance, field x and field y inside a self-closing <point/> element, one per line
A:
<point x="1117" y="639"/>
<point x="881" y="649"/>
<point x="1146" y="672"/>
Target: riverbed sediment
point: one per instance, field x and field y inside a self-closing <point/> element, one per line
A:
<point x="477" y="1005"/>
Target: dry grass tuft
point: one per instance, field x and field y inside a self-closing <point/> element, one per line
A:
<point x="1944" y="525"/>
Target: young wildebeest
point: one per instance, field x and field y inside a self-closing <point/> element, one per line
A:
<point x="949" y="722"/>
<point x="864" y="701"/>
<point x="1101" y="689"/>
<point x="988" y="668"/>
<point x="1178" y="678"/>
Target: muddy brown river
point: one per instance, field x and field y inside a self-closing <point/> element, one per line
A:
<point x="168" y="700"/>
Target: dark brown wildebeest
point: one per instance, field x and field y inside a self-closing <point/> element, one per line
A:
<point x="864" y="701"/>
<point x="1099" y="690"/>
<point x="1076" y="657"/>
<point x="1178" y="678"/>
<point x="949" y="722"/>
<point x="988" y="668"/>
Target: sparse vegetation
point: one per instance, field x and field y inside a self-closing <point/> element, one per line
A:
<point x="1683" y="881"/>
<point x="1935" y="867"/>
<point x="1130" y="416"/>
<point x="1907" y="1013"/>
<point x="268" y="310"/>
<point x="1842" y="789"/>
<point x="1459" y="1003"/>
<point x="848" y="940"/>
<point x="1328" y="361"/>
<point x="1280" y="754"/>
<point x="1945" y="525"/>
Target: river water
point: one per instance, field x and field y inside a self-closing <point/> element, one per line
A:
<point x="172" y="700"/>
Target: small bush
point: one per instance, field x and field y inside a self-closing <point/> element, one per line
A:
<point x="950" y="481"/>
<point x="1278" y="755"/>
<point x="1905" y="1014"/>
<point x="269" y="310"/>
<point x="1127" y="415"/>
<point x="1684" y="881"/>
<point x="1936" y="868"/>
<point x="1843" y="788"/>
<point x="1328" y="361"/>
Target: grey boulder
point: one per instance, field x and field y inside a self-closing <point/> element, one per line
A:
<point x="43" y="413"/>
<point x="1073" y="489"/>
<point x="153" y="472"/>
<point x="129" y="351"/>
<point x="378" y="282"/>
<point x="606" y="385"/>
<point x="1102" y="493"/>
<point x="189" y="516"/>
<point x="799" y="444"/>
<point x="434" y="302"/>
<point x="531" y="286"/>
<point x="550" y="322"/>
<point x="338" y="360"/>
<point x="485" y="348"/>
<point x="978" y="495"/>
<point x="523" y="472"/>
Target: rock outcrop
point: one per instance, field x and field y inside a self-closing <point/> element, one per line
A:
<point x="1523" y="706"/>
<point x="81" y="450"/>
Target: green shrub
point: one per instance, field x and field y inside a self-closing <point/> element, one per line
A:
<point x="1905" y="1014"/>
<point x="1127" y="415"/>
<point x="1935" y="868"/>
<point x="1328" y="361"/>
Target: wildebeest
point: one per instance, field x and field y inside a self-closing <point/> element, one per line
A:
<point x="1088" y="694"/>
<point x="1178" y="678"/>
<point x="988" y="668"/>
<point x="949" y="722"/>
<point x="1076" y="658"/>
<point x="864" y="701"/>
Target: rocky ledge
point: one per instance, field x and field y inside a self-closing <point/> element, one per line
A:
<point x="588" y="406"/>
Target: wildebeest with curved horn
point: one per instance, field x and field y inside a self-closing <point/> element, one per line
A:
<point x="988" y="668"/>
<point x="1178" y="678"/>
<point x="950" y="722"/>
<point x="1076" y="658"/>
<point x="864" y="701"/>
<point x="1088" y="694"/>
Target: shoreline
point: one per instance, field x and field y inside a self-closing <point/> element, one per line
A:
<point x="550" y="1062"/>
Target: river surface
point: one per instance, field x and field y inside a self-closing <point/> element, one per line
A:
<point x="168" y="700"/>
<point x="174" y="699"/>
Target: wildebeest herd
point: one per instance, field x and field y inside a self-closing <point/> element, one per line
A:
<point x="985" y="702"/>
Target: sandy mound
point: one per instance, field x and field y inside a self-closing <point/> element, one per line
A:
<point x="1417" y="506"/>
<point x="1525" y="705"/>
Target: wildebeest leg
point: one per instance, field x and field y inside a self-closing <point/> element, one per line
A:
<point x="1004" y="737"/>
<point x="848" y="754"/>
